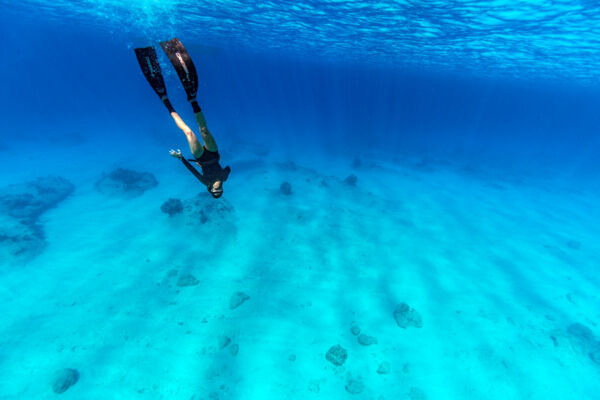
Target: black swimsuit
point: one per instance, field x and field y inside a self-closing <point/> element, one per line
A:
<point x="209" y="161"/>
<point x="211" y="169"/>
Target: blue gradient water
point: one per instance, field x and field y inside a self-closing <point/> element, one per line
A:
<point x="472" y="128"/>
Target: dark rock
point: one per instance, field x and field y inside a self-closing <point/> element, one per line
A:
<point x="224" y="341"/>
<point x="292" y="357"/>
<point x="366" y="340"/>
<point x="187" y="280"/>
<point x="237" y="299"/>
<point x="595" y="352"/>
<point x="125" y="183"/>
<point x="172" y="207"/>
<point x="234" y="349"/>
<point x="355" y="330"/>
<point x="64" y="379"/>
<point x="351" y="180"/>
<point x="286" y="188"/>
<point x="354" y="386"/>
<point x="581" y="334"/>
<point x="574" y="244"/>
<point x="21" y="235"/>
<point x="406" y="317"/>
<point x="384" y="368"/>
<point x="337" y="355"/>
<point x="28" y="201"/>
<point x="204" y="209"/>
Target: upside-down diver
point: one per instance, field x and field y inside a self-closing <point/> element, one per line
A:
<point x="206" y="155"/>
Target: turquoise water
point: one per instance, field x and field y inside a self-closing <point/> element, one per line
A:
<point x="412" y="211"/>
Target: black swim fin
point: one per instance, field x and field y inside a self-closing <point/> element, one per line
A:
<point x="151" y="68"/>
<point x="182" y="62"/>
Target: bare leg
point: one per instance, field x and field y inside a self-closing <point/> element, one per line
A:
<point x="207" y="138"/>
<point x="195" y="146"/>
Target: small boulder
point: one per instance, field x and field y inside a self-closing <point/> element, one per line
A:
<point x="355" y="330"/>
<point x="384" y="368"/>
<point x="172" y="207"/>
<point x="286" y="188"/>
<point x="406" y="316"/>
<point x="234" y="349"/>
<point x="125" y="183"/>
<point x="224" y="341"/>
<point x="337" y="355"/>
<point x="237" y="299"/>
<point x="595" y="353"/>
<point x="351" y="180"/>
<point x="187" y="280"/>
<point x="354" y="386"/>
<point x="366" y="340"/>
<point x="63" y="379"/>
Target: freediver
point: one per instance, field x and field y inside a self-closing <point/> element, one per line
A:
<point x="206" y="155"/>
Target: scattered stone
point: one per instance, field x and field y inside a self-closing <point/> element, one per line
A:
<point x="416" y="394"/>
<point x="337" y="355"/>
<point x="172" y="207"/>
<point x="583" y="338"/>
<point x="595" y="353"/>
<point x="26" y="202"/>
<point x="366" y="340"/>
<point x="581" y="333"/>
<point x="355" y="330"/>
<point x="406" y="368"/>
<point x="21" y="205"/>
<point x="292" y="357"/>
<point x="234" y="349"/>
<point x="574" y="244"/>
<point x="63" y="379"/>
<point x="204" y="209"/>
<point x="351" y="180"/>
<point x="406" y="317"/>
<point x="314" y="386"/>
<point x="384" y="368"/>
<point x="224" y="341"/>
<point x="354" y="386"/>
<point x="187" y="280"/>
<point x="237" y="299"/>
<point x="124" y="182"/>
<point x="286" y="188"/>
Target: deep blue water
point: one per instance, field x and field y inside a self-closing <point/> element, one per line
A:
<point x="516" y="80"/>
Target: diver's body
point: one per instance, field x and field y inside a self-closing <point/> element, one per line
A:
<point x="206" y="155"/>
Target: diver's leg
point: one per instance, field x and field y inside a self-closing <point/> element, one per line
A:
<point x="195" y="146"/>
<point x="207" y="138"/>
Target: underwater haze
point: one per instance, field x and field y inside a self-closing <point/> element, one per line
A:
<point x="413" y="208"/>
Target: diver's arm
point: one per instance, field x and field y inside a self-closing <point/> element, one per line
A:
<point x="194" y="171"/>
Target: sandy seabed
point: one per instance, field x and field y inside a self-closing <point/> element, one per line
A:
<point x="500" y="269"/>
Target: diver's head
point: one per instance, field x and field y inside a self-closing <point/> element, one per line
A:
<point x="216" y="189"/>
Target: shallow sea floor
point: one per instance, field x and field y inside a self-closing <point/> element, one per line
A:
<point x="498" y="268"/>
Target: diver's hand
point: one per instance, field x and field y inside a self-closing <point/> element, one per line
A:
<point x="176" y="154"/>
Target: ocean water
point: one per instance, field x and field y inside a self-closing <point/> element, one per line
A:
<point x="413" y="210"/>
